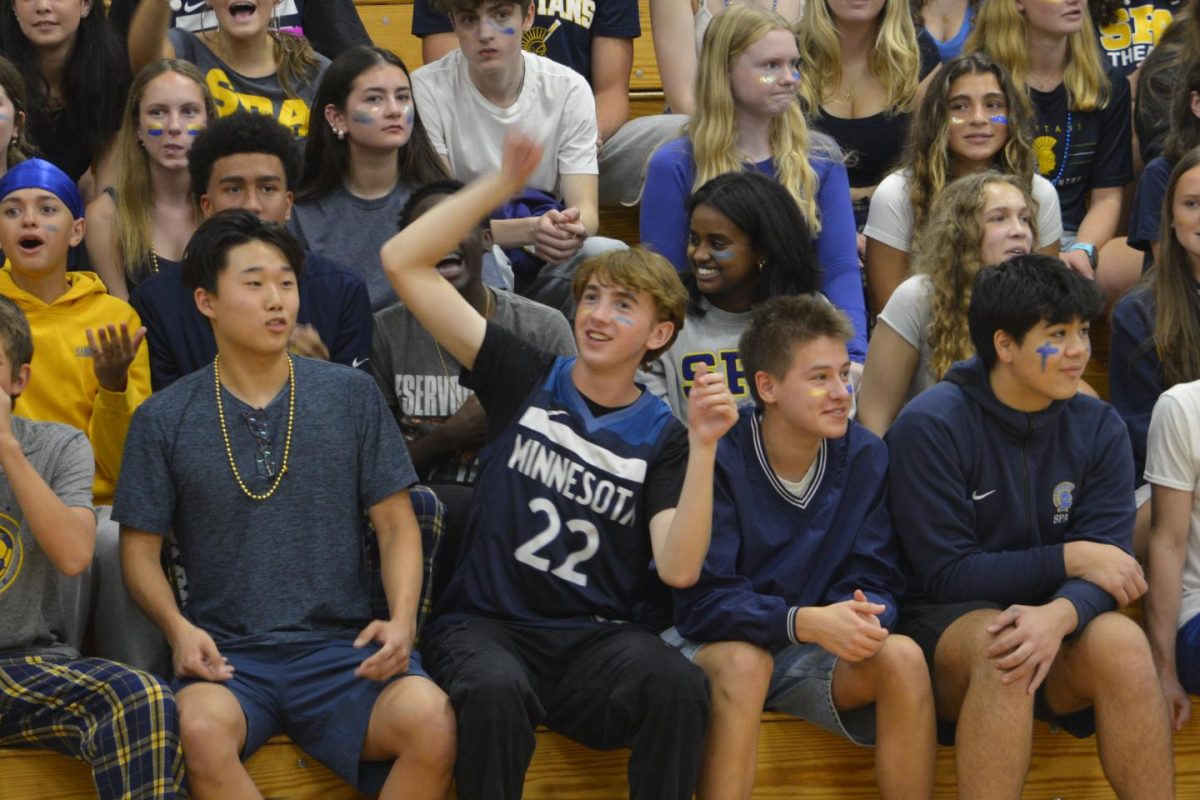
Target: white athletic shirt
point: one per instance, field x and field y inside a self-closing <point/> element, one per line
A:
<point x="555" y="104"/>
<point x="1173" y="461"/>
<point x="890" y="220"/>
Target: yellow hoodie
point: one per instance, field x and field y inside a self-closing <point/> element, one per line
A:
<point x="63" y="387"/>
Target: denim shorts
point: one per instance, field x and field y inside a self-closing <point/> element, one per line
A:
<point x="802" y="687"/>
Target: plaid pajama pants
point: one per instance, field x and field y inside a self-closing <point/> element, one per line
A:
<point x="121" y="721"/>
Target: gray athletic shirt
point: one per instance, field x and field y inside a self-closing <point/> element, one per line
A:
<point x="420" y="380"/>
<point x="233" y="91"/>
<point x="31" y="616"/>
<point x="350" y="231"/>
<point x="290" y="568"/>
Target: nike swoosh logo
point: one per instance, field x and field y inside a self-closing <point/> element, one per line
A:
<point x="192" y="8"/>
<point x="978" y="496"/>
<point x="358" y="362"/>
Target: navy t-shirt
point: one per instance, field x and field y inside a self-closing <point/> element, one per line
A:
<point x="1137" y="27"/>
<point x="562" y="30"/>
<point x="1145" y="219"/>
<point x="1099" y="152"/>
<point x="293" y="567"/>
<point x="872" y="145"/>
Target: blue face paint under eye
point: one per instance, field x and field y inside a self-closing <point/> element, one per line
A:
<point x="1046" y="350"/>
<point x="721" y="255"/>
<point x="626" y="321"/>
<point x="795" y="74"/>
<point x="999" y="119"/>
<point x="362" y="117"/>
<point x="507" y="30"/>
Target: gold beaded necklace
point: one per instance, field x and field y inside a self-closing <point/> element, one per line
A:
<point x="287" y="442"/>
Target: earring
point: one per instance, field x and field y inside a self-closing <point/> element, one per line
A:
<point x="761" y="264"/>
<point x="341" y="134"/>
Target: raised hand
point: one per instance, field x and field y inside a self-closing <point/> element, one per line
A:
<point x="113" y="352"/>
<point x="711" y="408"/>
<point x="520" y="156"/>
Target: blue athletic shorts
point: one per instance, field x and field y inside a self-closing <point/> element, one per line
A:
<point x="802" y="687"/>
<point x="1187" y="655"/>
<point x="309" y="692"/>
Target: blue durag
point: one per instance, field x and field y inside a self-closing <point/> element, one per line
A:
<point x="39" y="174"/>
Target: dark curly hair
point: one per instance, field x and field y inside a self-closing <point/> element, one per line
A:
<point x="237" y="134"/>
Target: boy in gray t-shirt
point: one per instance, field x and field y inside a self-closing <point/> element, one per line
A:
<point x="48" y="529"/>
<point x="263" y="466"/>
<point x="442" y="421"/>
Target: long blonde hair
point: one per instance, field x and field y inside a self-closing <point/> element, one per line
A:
<point x="134" y="198"/>
<point x="1001" y="32"/>
<point x="711" y="129"/>
<point x="927" y="156"/>
<point x="895" y="58"/>
<point x="948" y="253"/>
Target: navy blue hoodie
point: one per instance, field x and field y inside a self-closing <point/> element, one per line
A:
<point x="983" y="496"/>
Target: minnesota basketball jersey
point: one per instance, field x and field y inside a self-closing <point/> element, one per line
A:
<point x="557" y="533"/>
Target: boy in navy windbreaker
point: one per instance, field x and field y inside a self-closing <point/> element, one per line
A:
<point x="1012" y="496"/>
<point x="797" y="597"/>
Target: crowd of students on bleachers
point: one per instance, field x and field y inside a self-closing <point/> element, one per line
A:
<point x="328" y="409"/>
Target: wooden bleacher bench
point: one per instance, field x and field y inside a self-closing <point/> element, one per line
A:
<point x="795" y="760"/>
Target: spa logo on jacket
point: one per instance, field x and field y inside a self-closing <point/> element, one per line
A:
<point x="1063" y="497"/>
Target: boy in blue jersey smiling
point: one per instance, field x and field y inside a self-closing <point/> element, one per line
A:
<point x="797" y="598"/>
<point x="1012" y="496"/>
<point x="584" y="479"/>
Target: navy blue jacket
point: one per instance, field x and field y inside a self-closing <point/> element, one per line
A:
<point x="332" y="299"/>
<point x="983" y="496"/>
<point x="773" y="552"/>
<point x="1135" y="373"/>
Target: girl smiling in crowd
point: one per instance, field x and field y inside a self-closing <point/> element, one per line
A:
<point x="972" y="118"/>
<point x="747" y="118"/>
<point x="747" y="242"/>
<point x="362" y="162"/>
<point x="145" y="221"/>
